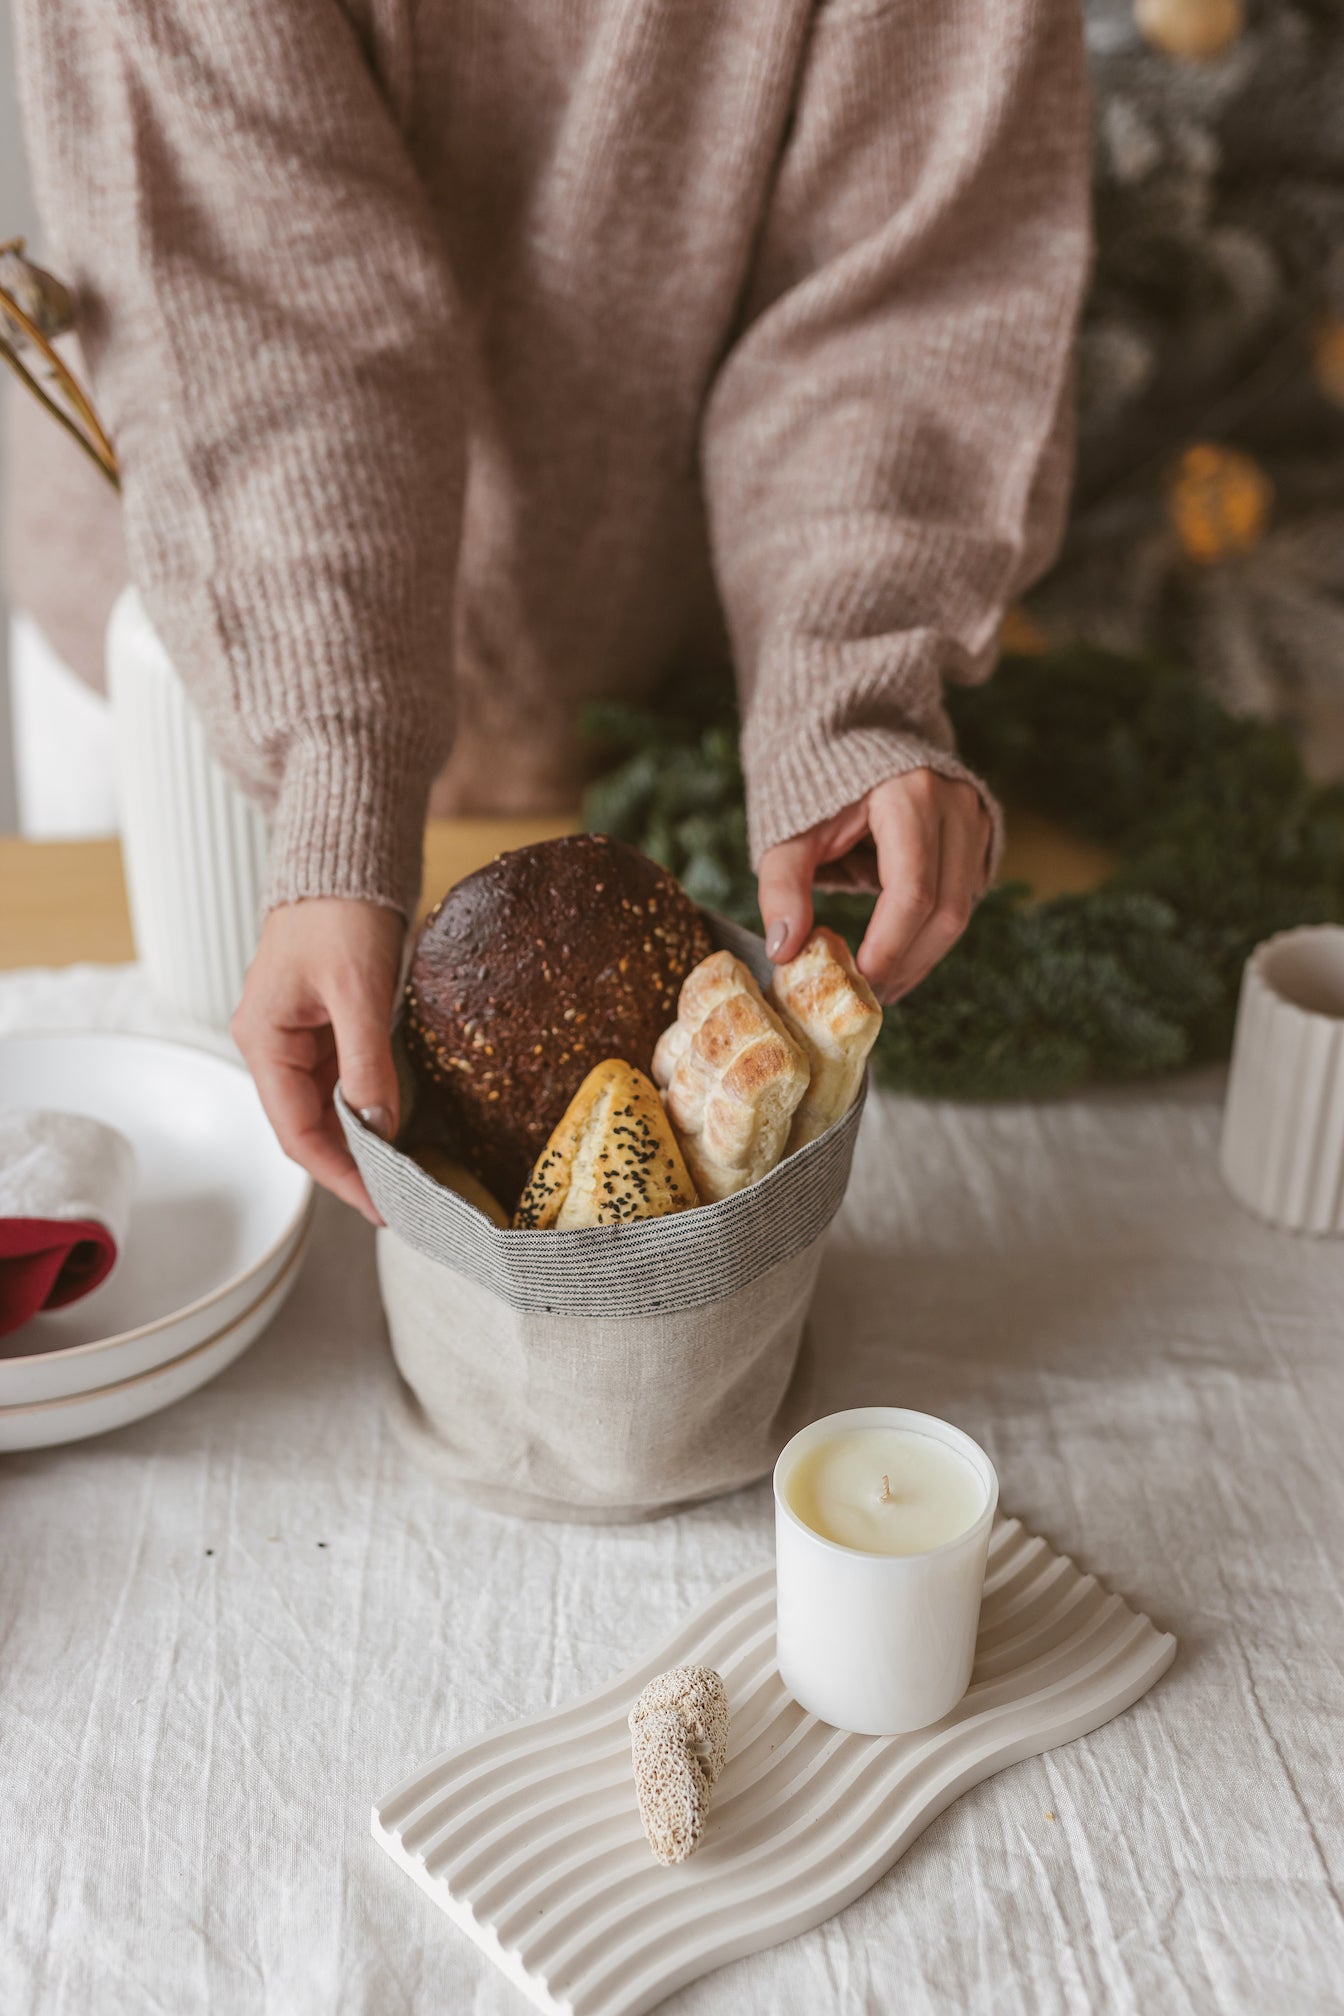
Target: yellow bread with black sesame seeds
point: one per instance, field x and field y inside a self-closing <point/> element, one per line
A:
<point x="612" y="1159"/>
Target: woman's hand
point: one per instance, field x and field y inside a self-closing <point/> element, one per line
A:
<point x="317" y="1006"/>
<point x="924" y="843"/>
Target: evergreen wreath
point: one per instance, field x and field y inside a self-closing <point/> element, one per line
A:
<point x="1220" y="838"/>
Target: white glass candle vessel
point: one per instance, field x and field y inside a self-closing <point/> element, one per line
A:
<point x="882" y="1524"/>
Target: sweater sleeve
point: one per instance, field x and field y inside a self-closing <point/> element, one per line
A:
<point x="272" y="336"/>
<point x="887" y="445"/>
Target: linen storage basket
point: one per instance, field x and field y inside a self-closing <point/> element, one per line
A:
<point x="612" y="1372"/>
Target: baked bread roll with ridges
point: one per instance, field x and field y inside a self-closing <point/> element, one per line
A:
<point x="825" y="1002"/>
<point x="732" y="1077"/>
<point x="612" y="1159"/>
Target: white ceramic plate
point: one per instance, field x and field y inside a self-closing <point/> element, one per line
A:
<point x="530" y="1839"/>
<point x="107" y="1407"/>
<point x="216" y="1212"/>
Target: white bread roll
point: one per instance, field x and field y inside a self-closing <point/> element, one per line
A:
<point x="731" y="1075"/>
<point x="828" y="1006"/>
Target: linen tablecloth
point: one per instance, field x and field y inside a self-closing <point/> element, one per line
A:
<point x="224" y="1630"/>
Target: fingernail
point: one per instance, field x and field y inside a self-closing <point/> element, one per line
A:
<point x="378" y="1120"/>
<point x="774" y="944"/>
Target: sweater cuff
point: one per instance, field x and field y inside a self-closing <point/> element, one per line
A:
<point x="817" y="774"/>
<point x="349" y="818"/>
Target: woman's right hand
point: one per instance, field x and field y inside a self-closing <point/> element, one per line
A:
<point x="317" y="1007"/>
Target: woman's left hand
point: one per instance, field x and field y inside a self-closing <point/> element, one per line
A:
<point x="317" y="1006"/>
<point x="926" y="840"/>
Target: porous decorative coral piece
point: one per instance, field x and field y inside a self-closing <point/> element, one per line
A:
<point x="679" y="1742"/>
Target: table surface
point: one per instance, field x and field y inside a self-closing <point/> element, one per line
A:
<point x="63" y="901"/>
<point x="226" y="1630"/>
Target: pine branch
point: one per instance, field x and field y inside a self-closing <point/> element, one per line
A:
<point x="1222" y="840"/>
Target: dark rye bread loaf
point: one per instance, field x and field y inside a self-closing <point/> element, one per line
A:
<point x="531" y="971"/>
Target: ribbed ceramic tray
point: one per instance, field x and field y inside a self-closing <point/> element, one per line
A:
<point x="530" y="1839"/>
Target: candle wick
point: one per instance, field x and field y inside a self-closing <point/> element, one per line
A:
<point x="885" y="1496"/>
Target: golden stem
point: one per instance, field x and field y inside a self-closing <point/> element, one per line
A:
<point x="81" y="402"/>
<point x="65" y="378"/>
<point x="59" y="413"/>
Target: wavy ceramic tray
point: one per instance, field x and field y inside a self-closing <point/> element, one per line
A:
<point x="530" y="1839"/>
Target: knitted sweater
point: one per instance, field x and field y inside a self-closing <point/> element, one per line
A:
<point x="470" y="361"/>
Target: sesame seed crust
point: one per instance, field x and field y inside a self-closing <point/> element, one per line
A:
<point x="612" y="1159"/>
<point x="582" y="935"/>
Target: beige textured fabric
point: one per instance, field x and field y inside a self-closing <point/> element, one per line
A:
<point x="460" y="360"/>
<point x="589" y="1417"/>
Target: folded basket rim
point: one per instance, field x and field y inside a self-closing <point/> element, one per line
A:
<point x="684" y="1260"/>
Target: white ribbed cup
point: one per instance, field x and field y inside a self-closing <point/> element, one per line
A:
<point x="193" y="846"/>
<point x="1283" y="1124"/>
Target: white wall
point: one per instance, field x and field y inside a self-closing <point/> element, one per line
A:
<point x="16" y="216"/>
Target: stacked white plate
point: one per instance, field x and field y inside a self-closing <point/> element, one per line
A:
<point x="218" y="1230"/>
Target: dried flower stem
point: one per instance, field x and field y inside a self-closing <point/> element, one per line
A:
<point x="72" y="427"/>
<point x="90" y="435"/>
<point x="83" y="406"/>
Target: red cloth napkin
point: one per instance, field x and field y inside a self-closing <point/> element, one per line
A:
<point x="65" y="1193"/>
<point x="47" y="1262"/>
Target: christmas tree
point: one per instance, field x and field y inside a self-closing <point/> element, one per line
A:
<point x="1207" y="532"/>
<point x="1208" y="518"/>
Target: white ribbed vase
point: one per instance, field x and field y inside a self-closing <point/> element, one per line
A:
<point x="1283" y="1124"/>
<point x="194" y="847"/>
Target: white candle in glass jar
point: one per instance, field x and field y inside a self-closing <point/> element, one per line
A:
<point x="882" y="1523"/>
<point x="885" y="1490"/>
